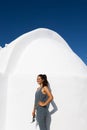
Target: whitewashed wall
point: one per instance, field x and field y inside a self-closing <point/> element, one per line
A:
<point x="42" y="51"/>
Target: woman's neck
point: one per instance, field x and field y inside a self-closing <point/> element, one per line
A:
<point x="41" y="85"/>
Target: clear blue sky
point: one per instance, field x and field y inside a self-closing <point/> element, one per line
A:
<point x="68" y="18"/>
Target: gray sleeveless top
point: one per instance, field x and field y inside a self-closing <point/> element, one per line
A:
<point x="39" y="96"/>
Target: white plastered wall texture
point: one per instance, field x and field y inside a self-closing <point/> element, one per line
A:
<point x="42" y="51"/>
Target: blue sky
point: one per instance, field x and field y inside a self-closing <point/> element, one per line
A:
<point x="68" y="18"/>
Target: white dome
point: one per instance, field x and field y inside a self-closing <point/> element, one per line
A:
<point x="46" y="45"/>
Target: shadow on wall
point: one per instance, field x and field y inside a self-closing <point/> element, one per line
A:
<point x="55" y="108"/>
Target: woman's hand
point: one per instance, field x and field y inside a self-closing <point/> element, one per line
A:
<point x="41" y="103"/>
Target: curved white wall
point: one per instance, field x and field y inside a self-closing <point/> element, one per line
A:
<point x="42" y="51"/>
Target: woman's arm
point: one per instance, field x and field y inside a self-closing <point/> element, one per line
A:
<point x="33" y="112"/>
<point x="50" y="97"/>
<point x="34" y="109"/>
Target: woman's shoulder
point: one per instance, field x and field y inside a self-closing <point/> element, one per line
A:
<point x="45" y="87"/>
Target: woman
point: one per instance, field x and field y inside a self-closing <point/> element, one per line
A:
<point x="43" y="97"/>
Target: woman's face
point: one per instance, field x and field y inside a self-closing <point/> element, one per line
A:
<point x="39" y="80"/>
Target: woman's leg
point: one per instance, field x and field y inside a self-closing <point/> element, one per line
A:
<point x="42" y="123"/>
<point x="41" y="118"/>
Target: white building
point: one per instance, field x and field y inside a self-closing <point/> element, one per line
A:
<point x="42" y="51"/>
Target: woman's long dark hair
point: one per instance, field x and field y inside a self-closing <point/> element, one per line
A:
<point x="44" y="78"/>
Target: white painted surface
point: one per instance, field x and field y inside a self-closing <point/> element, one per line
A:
<point x="42" y="51"/>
